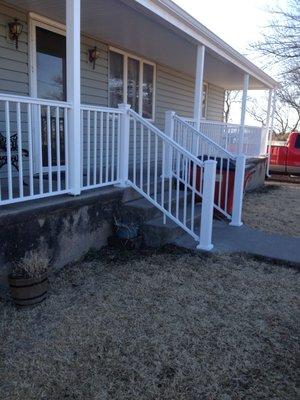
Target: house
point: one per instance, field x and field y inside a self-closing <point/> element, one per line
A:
<point x="100" y="98"/>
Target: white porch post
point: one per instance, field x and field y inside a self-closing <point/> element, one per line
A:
<point x="243" y="113"/>
<point x="169" y="130"/>
<point x="73" y="93"/>
<point x="199" y="85"/>
<point x="207" y="209"/>
<point x="268" y="120"/>
<point x="238" y="191"/>
<point x="124" y="145"/>
<point x="271" y="132"/>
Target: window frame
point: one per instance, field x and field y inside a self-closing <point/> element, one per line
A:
<point x="142" y="61"/>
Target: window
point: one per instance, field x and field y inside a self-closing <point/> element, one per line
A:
<point x="131" y="81"/>
<point x="297" y="142"/>
<point x="51" y="65"/>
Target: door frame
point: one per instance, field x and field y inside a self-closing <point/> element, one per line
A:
<point x="36" y="20"/>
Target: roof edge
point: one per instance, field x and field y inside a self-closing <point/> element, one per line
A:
<point x="178" y="17"/>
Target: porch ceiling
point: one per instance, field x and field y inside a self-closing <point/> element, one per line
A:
<point x="127" y="24"/>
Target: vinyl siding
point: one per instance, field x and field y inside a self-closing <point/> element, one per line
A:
<point x="13" y="63"/>
<point x="174" y="91"/>
<point x="215" y="103"/>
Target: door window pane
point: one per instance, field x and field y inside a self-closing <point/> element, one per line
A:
<point x="51" y="65"/>
<point x="133" y="84"/>
<point x="148" y="76"/>
<point x="116" y="79"/>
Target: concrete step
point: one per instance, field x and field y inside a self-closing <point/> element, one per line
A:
<point x="143" y="210"/>
<point x="156" y="233"/>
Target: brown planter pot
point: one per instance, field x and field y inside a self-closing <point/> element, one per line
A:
<point x="28" y="291"/>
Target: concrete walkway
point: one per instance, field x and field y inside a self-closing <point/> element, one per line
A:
<point x="227" y="239"/>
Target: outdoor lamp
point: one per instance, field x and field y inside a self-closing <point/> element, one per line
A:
<point x="94" y="54"/>
<point x="15" y="30"/>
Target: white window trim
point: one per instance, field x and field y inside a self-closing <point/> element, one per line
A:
<point x="142" y="61"/>
<point x="35" y="21"/>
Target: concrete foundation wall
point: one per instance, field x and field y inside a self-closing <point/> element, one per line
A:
<point x="65" y="227"/>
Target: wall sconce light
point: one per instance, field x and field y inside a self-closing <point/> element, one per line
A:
<point x="15" y="29"/>
<point x="94" y="54"/>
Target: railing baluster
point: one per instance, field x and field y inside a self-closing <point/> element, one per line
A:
<point x="107" y="147"/>
<point x="113" y="148"/>
<point x="101" y="147"/>
<point x="30" y="149"/>
<point x="142" y="157"/>
<point x="20" y="156"/>
<point x="58" y="162"/>
<point x="88" y="169"/>
<point x="148" y="163"/>
<point x="134" y="151"/>
<point x="119" y="139"/>
<point x="66" y="127"/>
<point x="163" y="182"/>
<point x="8" y="151"/>
<point x="49" y="149"/>
<point x="41" y="177"/>
<point x="177" y="182"/>
<point x="95" y="149"/>
<point x="155" y="167"/>
<point x="185" y="191"/>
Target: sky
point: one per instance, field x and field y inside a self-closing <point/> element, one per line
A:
<point x="237" y="22"/>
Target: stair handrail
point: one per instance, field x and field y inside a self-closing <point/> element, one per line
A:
<point x="166" y="138"/>
<point x="184" y="174"/>
<point x="204" y="137"/>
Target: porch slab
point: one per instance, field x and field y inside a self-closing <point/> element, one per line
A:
<point x="229" y="239"/>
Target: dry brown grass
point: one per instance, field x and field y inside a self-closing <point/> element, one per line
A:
<point x="275" y="208"/>
<point x="169" y="325"/>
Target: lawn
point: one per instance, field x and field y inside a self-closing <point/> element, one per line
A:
<point x="274" y="208"/>
<point x="164" y="325"/>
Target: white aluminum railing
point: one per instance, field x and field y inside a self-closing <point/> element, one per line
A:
<point x="228" y="136"/>
<point x="174" y="192"/>
<point x="33" y="150"/>
<point x="229" y="184"/>
<point x="100" y="146"/>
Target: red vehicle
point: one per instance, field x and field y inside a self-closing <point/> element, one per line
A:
<point x="285" y="156"/>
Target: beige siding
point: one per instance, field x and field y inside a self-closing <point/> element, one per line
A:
<point x="13" y="63"/>
<point x="215" y="103"/>
<point x="94" y="82"/>
<point x="174" y="91"/>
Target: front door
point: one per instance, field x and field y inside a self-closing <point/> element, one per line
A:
<point x="51" y="84"/>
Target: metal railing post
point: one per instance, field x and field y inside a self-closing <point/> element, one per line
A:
<point x="124" y="145"/>
<point x="169" y="131"/>
<point x="238" y="193"/>
<point x="207" y="211"/>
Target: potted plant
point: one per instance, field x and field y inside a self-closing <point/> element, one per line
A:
<point x="28" y="279"/>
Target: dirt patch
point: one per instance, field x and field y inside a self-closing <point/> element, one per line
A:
<point x="163" y="325"/>
<point x="274" y="208"/>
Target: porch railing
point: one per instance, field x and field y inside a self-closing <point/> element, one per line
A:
<point x="228" y="136"/>
<point x="230" y="170"/>
<point x="32" y="165"/>
<point x="100" y="146"/>
<point x="175" y="170"/>
<point x="168" y="176"/>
